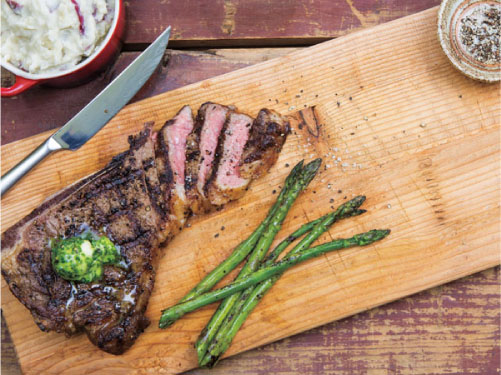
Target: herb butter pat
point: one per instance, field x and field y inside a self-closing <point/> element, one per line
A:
<point x="82" y="259"/>
<point x="52" y="36"/>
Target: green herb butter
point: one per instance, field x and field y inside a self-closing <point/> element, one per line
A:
<point x="82" y="259"/>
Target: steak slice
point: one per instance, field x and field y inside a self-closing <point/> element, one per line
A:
<point x="225" y="183"/>
<point x="245" y="153"/>
<point x="267" y="136"/>
<point x="152" y="178"/>
<point x="202" y="146"/>
<point x="115" y="201"/>
<point x="172" y="151"/>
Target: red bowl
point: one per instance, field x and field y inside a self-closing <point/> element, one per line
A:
<point x="102" y="57"/>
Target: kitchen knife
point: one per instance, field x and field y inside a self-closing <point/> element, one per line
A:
<point x="95" y="115"/>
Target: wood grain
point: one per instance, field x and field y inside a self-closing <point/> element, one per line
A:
<point x="420" y="139"/>
<point x="223" y="23"/>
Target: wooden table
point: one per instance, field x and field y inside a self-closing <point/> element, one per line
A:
<point x="451" y="329"/>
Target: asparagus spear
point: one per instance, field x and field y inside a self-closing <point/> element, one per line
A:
<point x="175" y="312"/>
<point x="255" y="258"/>
<point x="243" y="249"/>
<point x="237" y="315"/>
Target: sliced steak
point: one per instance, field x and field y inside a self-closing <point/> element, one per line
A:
<point x="172" y="150"/>
<point x="268" y="134"/>
<point x="245" y="153"/>
<point x="115" y="201"/>
<point x="202" y="146"/>
<point x="225" y="183"/>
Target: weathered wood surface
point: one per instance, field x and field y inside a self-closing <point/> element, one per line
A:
<point x="451" y="329"/>
<point x="260" y="23"/>
<point x="27" y="114"/>
<point x="406" y="169"/>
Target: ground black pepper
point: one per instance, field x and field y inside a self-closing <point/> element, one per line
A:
<point x="479" y="33"/>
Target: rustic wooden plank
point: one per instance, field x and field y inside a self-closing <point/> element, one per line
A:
<point x="257" y="23"/>
<point x="27" y="114"/>
<point x="406" y="170"/>
<point x="454" y="329"/>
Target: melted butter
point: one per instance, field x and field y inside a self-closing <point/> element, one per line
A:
<point x="73" y="292"/>
<point x="130" y="296"/>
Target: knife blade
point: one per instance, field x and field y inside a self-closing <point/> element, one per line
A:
<point x="95" y="115"/>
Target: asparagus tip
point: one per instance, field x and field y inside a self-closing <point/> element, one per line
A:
<point x="310" y="170"/>
<point x="315" y="164"/>
<point x="358" y="200"/>
<point x="297" y="167"/>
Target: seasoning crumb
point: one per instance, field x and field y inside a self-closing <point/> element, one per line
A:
<point x="423" y="125"/>
<point x="223" y="228"/>
<point x="339" y="191"/>
<point x="389" y="205"/>
<point x="366" y="118"/>
<point x="216" y="235"/>
<point x="350" y="98"/>
<point x="274" y="191"/>
<point x="460" y="96"/>
<point x="331" y="200"/>
<point x="286" y="165"/>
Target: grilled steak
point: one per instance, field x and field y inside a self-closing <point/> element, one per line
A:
<point x="200" y="160"/>
<point x="139" y="200"/>
<point x="116" y="202"/>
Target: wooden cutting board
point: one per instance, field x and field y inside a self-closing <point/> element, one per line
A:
<point x="392" y="120"/>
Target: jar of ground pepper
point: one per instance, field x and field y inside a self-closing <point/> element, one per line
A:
<point x="469" y="32"/>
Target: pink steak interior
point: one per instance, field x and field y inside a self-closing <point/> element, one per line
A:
<point x="176" y="135"/>
<point x="237" y="134"/>
<point x="215" y="117"/>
